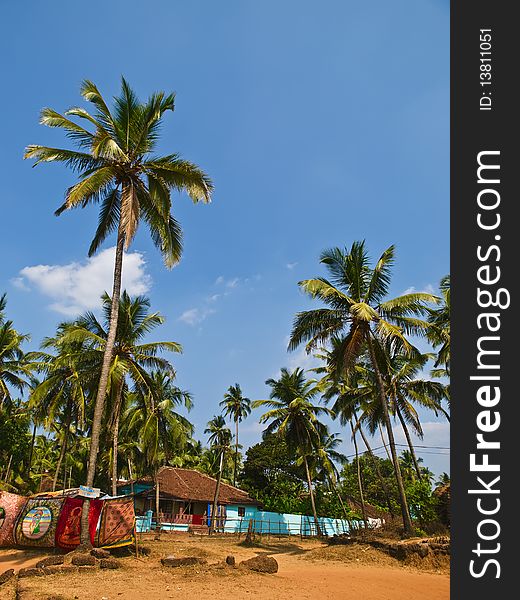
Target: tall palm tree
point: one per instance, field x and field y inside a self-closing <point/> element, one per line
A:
<point x="152" y="429"/>
<point x="348" y="402"/>
<point x="326" y="457"/>
<point x="59" y="401"/>
<point x="238" y="407"/>
<point x="130" y="356"/>
<point x="358" y="312"/>
<point x="293" y="415"/>
<point x="403" y="390"/>
<point x="219" y="440"/>
<point x="15" y="370"/>
<point x="117" y="168"/>
<point x="153" y="419"/>
<point x="439" y="330"/>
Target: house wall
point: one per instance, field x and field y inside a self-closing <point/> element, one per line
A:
<point x="286" y="524"/>
<point x="138" y="488"/>
<point x="265" y="522"/>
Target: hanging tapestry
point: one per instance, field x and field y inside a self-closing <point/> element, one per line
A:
<point x="117" y="523"/>
<point x="36" y="525"/>
<point x="10" y="507"/>
<point x="68" y="529"/>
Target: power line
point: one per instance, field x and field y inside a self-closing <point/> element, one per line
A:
<point x="435" y="447"/>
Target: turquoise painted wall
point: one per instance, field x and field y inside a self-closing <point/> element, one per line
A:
<point x="138" y="488"/>
<point x="282" y="524"/>
<point x="264" y="522"/>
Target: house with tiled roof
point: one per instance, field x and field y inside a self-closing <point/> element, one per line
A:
<point x="186" y="498"/>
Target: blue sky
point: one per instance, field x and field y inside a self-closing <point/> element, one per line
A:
<point x="320" y="124"/>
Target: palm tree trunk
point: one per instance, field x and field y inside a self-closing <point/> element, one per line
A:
<point x="385" y="445"/>
<point x="115" y="433"/>
<point x="215" y="497"/>
<point x="115" y="438"/>
<point x="376" y="467"/>
<point x="311" y="493"/>
<point x="409" y="441"/>
<point x="236" y="455"/>
<point x="407" y="521"/>
<point x="333" y="483"/>
<point x="103" y="380"/>
<point x="157" y="503"/>
<point x="31" y="452"/>
<point x="66" y="431"/>
<point x="360" y="482"/>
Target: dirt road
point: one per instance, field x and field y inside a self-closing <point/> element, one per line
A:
<point x="307" y="570"/>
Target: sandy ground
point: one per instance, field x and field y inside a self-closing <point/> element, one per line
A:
<point x="307" y="570"/>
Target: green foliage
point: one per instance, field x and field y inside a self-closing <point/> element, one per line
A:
<point x="15" y="441"/>
<point x="15" y="370"/>
<point x="118" y="170"/>
<point x="422" y="502"/>
<point x="373" y="489"/>
<point x="271" y="475"/>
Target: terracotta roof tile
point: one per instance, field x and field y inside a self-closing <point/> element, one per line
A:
<point x="188" y="484"/>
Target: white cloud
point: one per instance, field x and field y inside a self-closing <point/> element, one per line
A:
<point x="298" y="359"/>
<point x="229" y="283"/>
<point x="301" y="359"/>
<point x="291" y="266"/>
<point x="76" y="287"/>
<point x="428" y="289"/>
<point x="18" y="282"/>
<point x="194" y="316"/>
<point x="232" y="283"/>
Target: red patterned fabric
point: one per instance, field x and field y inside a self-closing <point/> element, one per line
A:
<point x="68" y="530"/>
<point x="11" y="506"/>
<point x="117" y="523"/>
<point x="96" y="506"/>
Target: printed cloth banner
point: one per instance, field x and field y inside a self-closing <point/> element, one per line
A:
<point x="116" y="527"/>
<point x="68" y="529"/>
<point x="36" y="524"/>
<point x="10" y="507"/>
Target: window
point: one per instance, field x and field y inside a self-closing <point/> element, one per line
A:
<point x="241" y="511"/>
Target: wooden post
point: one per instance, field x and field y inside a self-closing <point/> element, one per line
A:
<point x="131" y="476"/>
<point x="157" y="510"/>
<point x="249" y="535"/>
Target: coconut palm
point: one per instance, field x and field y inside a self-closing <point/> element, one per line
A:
<point x="152" y="429"/>
<point x="404" y="390"/>
<point x="326" y="458"/>
<point x="130" y="355"/>
<point x="238" y="408"/>
<point x="345" y="408"/>
<point x="443" y="479"/>
<point x="118" y="169"/>
<point x="219" y="440"/>
<point x="68" y="376"/>
<point x="439" y="330"/>
<point x="15" y="370"/>
<point x="293" y="415"/>
<point x="358" y="313"/>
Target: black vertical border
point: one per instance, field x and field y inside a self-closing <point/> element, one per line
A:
<point x="472" y="131"/>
